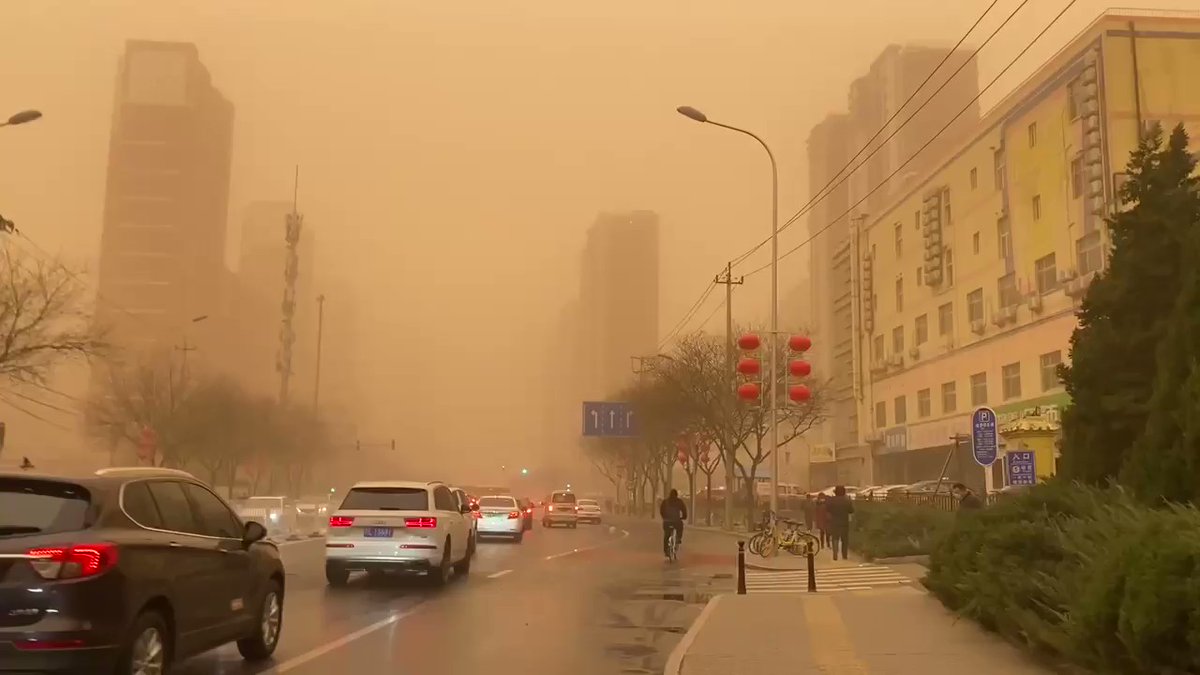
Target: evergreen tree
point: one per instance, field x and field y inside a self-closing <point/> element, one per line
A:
<point x="1126" y="311"/>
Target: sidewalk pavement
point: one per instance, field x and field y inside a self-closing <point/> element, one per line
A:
<point x="893" y="631"/>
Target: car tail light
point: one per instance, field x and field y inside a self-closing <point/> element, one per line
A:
<point x="73" y="562"/>
<point x="476" y="515"/>
<point x="421" y="523"/>
<point x="550" y="508"/>
<point x="514" y="515"/>
<point x="528" y="510"/>
<point x="340" y="521"/>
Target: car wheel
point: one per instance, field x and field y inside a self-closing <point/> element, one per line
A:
<point x="545" y="523"/>
<point x="147" y="647"/>
<point x="463" y="567"/>
<point x="336" y="575"/>
<point x="519" y="538"/>
<point x="439" y="575"/>
<point x="262" y="642"/>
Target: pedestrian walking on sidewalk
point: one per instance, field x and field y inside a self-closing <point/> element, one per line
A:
<point x="967" y="501"/>
<point x="822" y="520"/>
<point x="809" y="511"/>
<point x="840" y="509"/>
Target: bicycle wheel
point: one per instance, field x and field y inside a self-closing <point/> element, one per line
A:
<point x="758" y="542"/>
<point x="673" y="548"/>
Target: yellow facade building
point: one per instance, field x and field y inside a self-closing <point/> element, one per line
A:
<point x="968" y="282"/>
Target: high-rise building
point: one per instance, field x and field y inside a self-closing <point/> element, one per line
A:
<point x="166" y="200"/>
<point x="976" y="270"/>
<point x="618" y="299"/>
<point x="882" y="170"/>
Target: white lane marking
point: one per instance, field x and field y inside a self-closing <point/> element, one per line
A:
<point x="317" y="652"/>
<point x="624" y="533"/>
<point x="497" y="575"/>
<point x="675" y="660"/>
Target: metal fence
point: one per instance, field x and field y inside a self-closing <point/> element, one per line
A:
<point x="942" y="501"/>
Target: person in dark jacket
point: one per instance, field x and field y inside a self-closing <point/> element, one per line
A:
<point x="822" y="519"/>
<point x="840" y="509"/>
<point x="967" y="501"/>
<point x="673" y="512"/>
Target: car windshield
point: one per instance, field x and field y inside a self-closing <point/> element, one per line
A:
<point x="497" y="503"/>
<point x="386" y="499"/>
<point x="42" y="507"/>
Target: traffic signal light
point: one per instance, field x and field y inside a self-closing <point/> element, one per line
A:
<point x="749" y="366"/>
<point x="524" y="472"/>
<point x="799" y="368"/>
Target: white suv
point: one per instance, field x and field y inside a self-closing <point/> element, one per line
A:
<point x="400" y="526"/>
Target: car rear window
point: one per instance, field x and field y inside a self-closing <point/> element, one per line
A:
<point x="563" y="498"/>
<point x="497" y="502"/>
<point x="386" y="499"/>
<point x="29" y="506"/>
<point x="588" y="502"/>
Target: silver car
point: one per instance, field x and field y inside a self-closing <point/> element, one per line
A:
<point x="501" y="516"/>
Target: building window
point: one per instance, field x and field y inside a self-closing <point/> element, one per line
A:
<point x="949" y="397"/>
<point x="921" y="330"/>
<point x="920" y="275"/>
<point x="1089" y="253"/>
<point x="901" y="410"/>
<point x="975" y="305"/>
<point x="974" y="178"/>
<point x="880" y="415"/>
<point x="900" y="294"/>
<point x="1004" y="239"/>
<point x="946" y="319"/>
<point x="1045" y="272"/>
<point x="924" y="404"/>
<point x="975" y="243"/>
<point x="979" y="389"/>
<point x="877" y="347"/>
<point x="1048" y="366"/>
<point x="998" y="169"/>
<point x="917" y="220"/>
<point x="899" y="240"/>
<point x="1006" y="290"/>
<point x="949" y="267"/>
<point x="1037" y="207"/>
<point x="1033" y="134"/>
<point x="1010" y="381"/>
<point x="947" y="218"/>
<point x="1077" y="176"/>
<point x="898" y="340"/>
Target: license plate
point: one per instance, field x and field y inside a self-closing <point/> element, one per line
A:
<point x="497" y="515"/>
<point x="381" y="532"/>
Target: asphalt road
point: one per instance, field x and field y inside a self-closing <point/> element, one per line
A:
<point x="597" y="600"/>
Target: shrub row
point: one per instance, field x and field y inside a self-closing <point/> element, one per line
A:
<point x="1082" y="575"/>
<point x="892" y="530"/>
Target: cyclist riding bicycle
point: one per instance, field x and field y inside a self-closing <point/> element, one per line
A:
<point x="673" y="512"/>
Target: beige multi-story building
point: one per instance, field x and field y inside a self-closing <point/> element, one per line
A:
<point x="970" y="278"/>
<point x="879" y="139"/>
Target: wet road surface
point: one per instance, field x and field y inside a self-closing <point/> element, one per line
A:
<point x="591" y="601"/>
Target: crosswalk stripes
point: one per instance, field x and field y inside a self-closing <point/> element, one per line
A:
<point x="860" y="578"/>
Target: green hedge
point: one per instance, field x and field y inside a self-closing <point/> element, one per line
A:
<point x="889" y="530"/>
<point x="1081" y="575"/>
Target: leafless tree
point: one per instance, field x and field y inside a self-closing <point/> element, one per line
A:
<point x="151" y="393"/>
<point x="42" y="320"/>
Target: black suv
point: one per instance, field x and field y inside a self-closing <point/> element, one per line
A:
<point x="129" y="568"/>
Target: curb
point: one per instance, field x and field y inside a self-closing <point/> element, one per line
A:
<point x="675" y="660"/>
<point x="904" y="560"/>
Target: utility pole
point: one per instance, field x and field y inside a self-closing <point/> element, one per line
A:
<point x="320" y="326"/>
<point x="729" y="282"/>
<point x="185" y="349"/>
<point x="291" y="270"/>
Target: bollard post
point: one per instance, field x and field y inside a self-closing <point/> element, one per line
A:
<point x="741" y="563"/>
<point x="812" y="571"/>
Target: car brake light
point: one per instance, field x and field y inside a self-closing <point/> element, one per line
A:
<point x="422" y="523"/>
<point x="73" y="562"/>
<point x="550" y="508"/>
<point x="476" y="515"/>
<point x="514" y="515"/>
<point x="340" y="521"/>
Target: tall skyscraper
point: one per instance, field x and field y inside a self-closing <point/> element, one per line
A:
<point x="167" y="196"/>
<point x="618" y="299"/>
<point x="884" y="170"/>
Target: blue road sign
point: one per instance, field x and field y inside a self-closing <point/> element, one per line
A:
<point x="985" y="442"/>
<point x="608" y="419"/>
<point x="1022" y="467"/>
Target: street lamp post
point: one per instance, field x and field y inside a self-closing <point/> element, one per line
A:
<point x="23" y="117"/>
<point x="692" y="113"/>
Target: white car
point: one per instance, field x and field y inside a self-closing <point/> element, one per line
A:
<point x="589" y="511"/>
<point x="561" y="509"/>
<point x="501" y="516"/>
<point x="399" y="526"/>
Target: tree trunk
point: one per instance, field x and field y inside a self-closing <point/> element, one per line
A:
<point x="729" y="459"/>
<point x="708" y="499"/>
<point x="691" y="474"/>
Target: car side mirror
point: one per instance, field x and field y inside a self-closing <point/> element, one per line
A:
<point x="254" y="531"/>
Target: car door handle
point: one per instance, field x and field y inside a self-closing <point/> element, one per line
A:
<point x="176" y="544"/>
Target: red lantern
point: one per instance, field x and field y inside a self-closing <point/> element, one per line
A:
<point x="748" y="391"/>
<point x="749" y="342"/>
<point x="799" y="393"/>
<point x="147" y="444"/>
<point x="683" y="458"/>
<point x="749" y="366"/>
<point x="800" y="368"/>
<point x="799" y="343"/>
